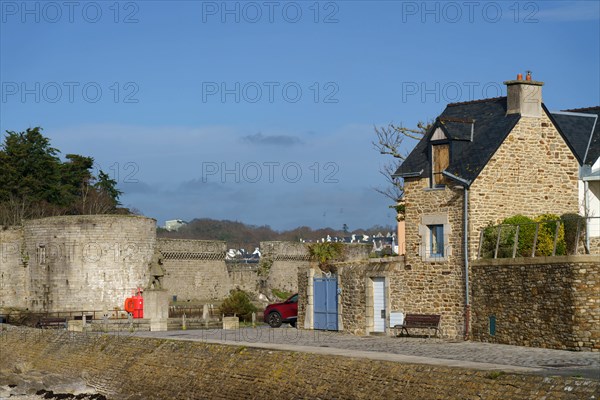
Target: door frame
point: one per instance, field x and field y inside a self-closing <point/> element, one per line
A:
<point x="370" y="309"/>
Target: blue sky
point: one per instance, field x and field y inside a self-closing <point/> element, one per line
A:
<point x="263" y="112"/>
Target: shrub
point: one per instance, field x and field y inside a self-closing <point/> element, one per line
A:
<point x="545" y="242"/>
<point x="571" y="222"/>
<point x="325" y="252"/>
<point x="526" y="234"/>
<point x="527" y="228"/>
<point x="507" y="237"/>
<point x="238" y="303"/>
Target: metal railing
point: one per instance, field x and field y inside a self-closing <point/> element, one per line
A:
<point x="193" y="311"/>
<point x="566" y="236"/>
<point x="31" y="318"/>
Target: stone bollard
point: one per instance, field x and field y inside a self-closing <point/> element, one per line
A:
<point x="205" y="315"/>
<point x="130" y="321"/>
<point x="231" y="323"/>
<point x="183" y="322"/>
<point x="254" y="320"/>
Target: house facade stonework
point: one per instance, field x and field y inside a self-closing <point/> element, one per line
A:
<point x="436" y="285"/>
<point x="533" y="172"/>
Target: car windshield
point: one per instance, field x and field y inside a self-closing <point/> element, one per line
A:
<point x="293" y="299"/>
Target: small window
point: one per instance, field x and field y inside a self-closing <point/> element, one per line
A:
<point x="436" y="240"/>
<point x="440" y="159"/>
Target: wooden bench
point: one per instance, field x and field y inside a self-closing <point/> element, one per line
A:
<point x="419" y="321"/>
<point x="52" y="322"/>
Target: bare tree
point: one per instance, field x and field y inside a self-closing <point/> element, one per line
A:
<point x="389" y="142"/>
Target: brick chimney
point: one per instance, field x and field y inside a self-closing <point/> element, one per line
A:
<point x="524" y="96"/>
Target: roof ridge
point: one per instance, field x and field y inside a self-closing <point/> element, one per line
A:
<point x="476" y="101"/>
<point x="582" y="109"/>
<point x="459" y="120"/>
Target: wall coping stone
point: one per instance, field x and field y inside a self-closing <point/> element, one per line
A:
<point x="164" y="239"/>
<point x="580" y="258"/>
<point x="87" y="216"/>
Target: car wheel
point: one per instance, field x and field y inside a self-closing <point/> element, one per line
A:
<point x="293" y="323"/>
<point x="274" y="319"/>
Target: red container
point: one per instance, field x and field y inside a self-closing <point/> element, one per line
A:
<point x="129" y="305"/>
<point x="135" y="305"/>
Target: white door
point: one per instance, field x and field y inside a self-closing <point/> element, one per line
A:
<point x="379" y="304"/>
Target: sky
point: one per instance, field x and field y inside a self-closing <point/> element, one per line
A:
<point x="264" y="112"/>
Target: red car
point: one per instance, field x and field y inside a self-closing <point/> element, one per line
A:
<point x="278" y="313"/>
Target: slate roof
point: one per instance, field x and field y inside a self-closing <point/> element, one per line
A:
<point x="483" y="120"/>
<point x="581" y="128"/>
<point x="477" y="128"/>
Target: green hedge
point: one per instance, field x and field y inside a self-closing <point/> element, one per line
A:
<point x="527" y="228"/>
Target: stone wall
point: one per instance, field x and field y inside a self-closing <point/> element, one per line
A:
<point x="549" y="302"/>
<point x="425" y="292"/>
<point x="13" y="289"/>
<point x="283" y="260"/>
<point x="356" y="299"/>
<point x="244" y="276"/>
<point x="533" y="172"/>
<point x="143" y="368"/>
<point x="76" y="262"/>
<point x="194" y="269"/>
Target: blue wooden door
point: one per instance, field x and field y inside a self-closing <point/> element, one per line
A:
<point x="325" y="301"/>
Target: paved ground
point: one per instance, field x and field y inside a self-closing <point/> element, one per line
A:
<point x="410" y="350"/>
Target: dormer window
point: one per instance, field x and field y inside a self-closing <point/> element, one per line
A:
<point x="440" y="160"/>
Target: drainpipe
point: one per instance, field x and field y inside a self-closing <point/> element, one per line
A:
<point x="466" y="251"/>
<point x="585" y="213"/>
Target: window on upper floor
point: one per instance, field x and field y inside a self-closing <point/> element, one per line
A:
<point x="440" y="160"/>
<point x="436" y="241"/>
<point x="435" y="232"/>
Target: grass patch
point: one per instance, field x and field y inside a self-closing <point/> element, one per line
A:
<point x="495" y="374"/>
<point x="281" y="294"/>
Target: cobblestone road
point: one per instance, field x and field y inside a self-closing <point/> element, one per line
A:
<point x="549" y="362"/>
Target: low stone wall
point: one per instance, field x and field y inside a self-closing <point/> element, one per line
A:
<point x="549" y="302"/>
<point x="429" y="290"/>
<point x="142" y="368"/>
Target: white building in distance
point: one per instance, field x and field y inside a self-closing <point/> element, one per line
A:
<point x="174" y="224"/>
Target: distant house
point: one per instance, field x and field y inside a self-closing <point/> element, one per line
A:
<point x="174" y="224"/>
<point x="382" y="244"/>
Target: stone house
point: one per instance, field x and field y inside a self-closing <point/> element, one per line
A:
<point x="483" y="161"/>
<point x="480" y="162"/>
